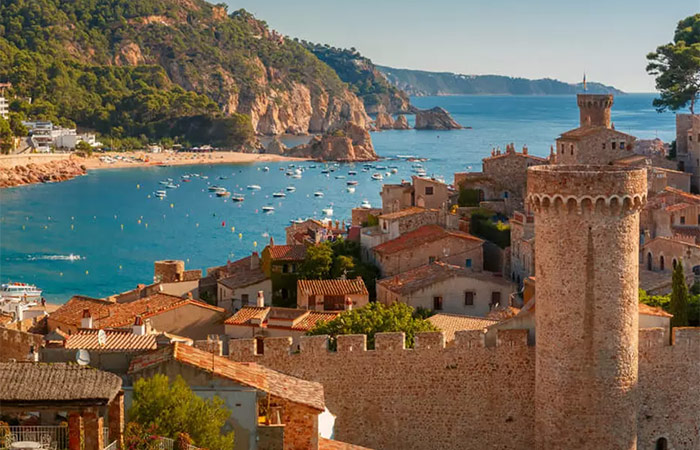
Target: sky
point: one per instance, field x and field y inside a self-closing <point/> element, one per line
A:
<point x="608" y="39"/>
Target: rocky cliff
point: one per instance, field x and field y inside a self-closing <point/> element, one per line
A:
<point x="401" y="123"/>
<point x="349" y="143"/>
<point x="383" y="121"/>
<point x="435" y="119"/>
<point x="40" y="173"/>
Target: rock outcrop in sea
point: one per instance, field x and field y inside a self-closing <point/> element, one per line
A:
<point x="383" y="121"/>
<point x="276" y="147"/>
<point x="41" y="173"/>
<point x="351" y="142"/>
<point x="401" y="123"/>
<point x="435" y="119"/>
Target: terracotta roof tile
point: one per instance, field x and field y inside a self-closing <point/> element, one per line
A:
<point x="503" y="313"/>
<point x="678" y="207"/>
<point x="450" y="323"/>
<point x="287" y="252"/>
<point x="653" y="311"/>
<point x="298" y="319"/>
<point x="312" y="318"/>
<point x="333" y="287"/>
<point x="240" y="274"/>
<point x="581" y="132"/>
<point x="116" y="340"/>
<point x="249" y="374"/>
<point x="429" y="274"/>
<point x="405" y="213"/>
<point x="245" y="314"/>
<point x="329" y="444"/>
<point x="422" y="235"/>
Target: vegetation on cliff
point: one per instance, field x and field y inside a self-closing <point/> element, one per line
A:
<point x="129" y="68"/>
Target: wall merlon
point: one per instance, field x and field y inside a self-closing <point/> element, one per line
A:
<point x="315" y="345"/>
<point x="470" y="338"/>
<point x="241" y="349"/>
<point x="688" y="337"/>
<point x="389" y="342"/>
<point x="430" y="340"/>
<point x="652" y="337"/>
<point x="352" y="343"/>
<point x="511" y="338"/>
<point x="278" y="346"/>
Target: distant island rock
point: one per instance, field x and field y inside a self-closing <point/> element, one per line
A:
<point x="351" y="142"/>
<point x="435" y="119"/>
<point x="401" y="123"/>
<point x="423" y="83"/>
<point x="383" y="121"/>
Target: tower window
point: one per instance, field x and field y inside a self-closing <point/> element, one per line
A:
<point x="662" y="444"/>
<point x="622" y="145"/>
<point x="437" y="303"/>
<point x="468" y="298"/>
<point x="613" y="145"/>
<point x="572" y="148"/>
<point x="603" y="145"/>
<point x="682" y="220"/>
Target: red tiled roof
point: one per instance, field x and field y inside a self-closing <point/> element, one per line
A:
<point x="580" y="132"/>
<point x="298" y="319"/>
<point x="678" y="207"/>
<point x="287" y="252"/>
<point x="296" y="390"/>
<point x="429" y="274"/>
<point x="695" y="199"/>
<point x="116" y="340"/>
<point x="420" y="236"/>
<point x="245" y="314"/>
<point x="503" y="313"/>
<point x="653" y="311"/>
<point x="108" y="314"/>
<point x="405" y="213"/>
<point x="240" y="274"/>
<point x="312" y="318"/>
<point x="333" y="287"/>
<point x="450" y="323"/>
<point x="329" y="444"/>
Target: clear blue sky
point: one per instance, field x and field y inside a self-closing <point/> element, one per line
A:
<point x="529" y="38"/>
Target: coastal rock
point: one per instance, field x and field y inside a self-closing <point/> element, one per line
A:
<point x="384" y="121"/>
<point x="276" y="147"/>
<point x="401" y="123"/>
<point x="349" y="143"/>
<point x="435" y="119"/>
<point x="41" y="173"/>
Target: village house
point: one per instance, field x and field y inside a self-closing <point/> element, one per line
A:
<point x="280" y="263"/>
<point x="271" y="321"/>
<point x="450" y="324"/>
<point x="427" y="244"/>
<point x="422" y="192"/>
<point x="501" y="184"/>
<point x="446" y="288"/>
<point x="661" y="254"/>
<point x="241" y="283"/>
<point x="312" y="232"/>
<point x="332" y="295"/>
<point x="392" y="225"/>
<point x="522" y="246"/>
<point x="180" y="316"/>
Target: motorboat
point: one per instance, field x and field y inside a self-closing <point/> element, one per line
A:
<point x="340" y="177"/>
<point x="351" y="182"/>
<point x="291" y="189"/>
<point x="377" y="176"/>
<point x="171" y="186"/>
<point x="318" y="194"/>
<point x="20" y="291"/>
<point x="268" y="209"/>
<point x="279" y="194"/>
<point x="253" y="187"/>
<point x="296" y="175"/>
<point x="352" y="172"/>
<point x="237" y="198"/>
<point x="222" y="192"/>
<point x="160" y="194"/>
<point x="328" y="211"/>
<point x="265" y="169"/>
<point x="297" y="221"/>
<point x="365" y="205"/>
<point x="394" y="170"/>
<point x="213" y="188"/>
<point x="351" y="189"/>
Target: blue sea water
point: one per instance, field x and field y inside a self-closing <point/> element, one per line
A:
<point x="107" y="219"/>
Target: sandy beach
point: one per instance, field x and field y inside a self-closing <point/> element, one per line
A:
<point x="112" y="160"/>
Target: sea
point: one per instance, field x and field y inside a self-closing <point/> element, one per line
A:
<point x="99" y="234"/>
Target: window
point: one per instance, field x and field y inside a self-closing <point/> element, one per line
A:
<point x="622" y="145"/>
<point x="384" y="225"/>
<point x="468" y="298"/>
<point x="505" y="194"/>
<point x="244" y="299"/>
<point x="495" y="298"/>
<point x="431" y="259"/>
<point x="468" y="263"/>
<point x="661" y="263"/>
<point x="428" y="190"/>
<point x="572" y="148"/>
<point x="259" y="346"/>
<point x="682" y="220"/>
<point x="285" y="268"/>
<point x="662" y="444"/>
<point x="690" y="138"/>
<point x="603" y="145"/>
<point x="613" y="145"/>
<point x="437" y="303"/>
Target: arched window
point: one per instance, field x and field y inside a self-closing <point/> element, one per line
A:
<point x="662" y="444"/>
<point x="649" y="262"/>
<point x="572" y="148"/>
<point x="661" y="263"/>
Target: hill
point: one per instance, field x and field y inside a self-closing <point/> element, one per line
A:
<point x="364" y="79"/>
<point x="422" y="83"/>
<point x="130" y="68"/>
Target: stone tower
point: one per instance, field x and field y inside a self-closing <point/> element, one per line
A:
<point x="587" y="229"/>
<point x="594" y="109"/>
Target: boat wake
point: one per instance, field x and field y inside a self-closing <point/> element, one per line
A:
<point x="70" y="257"/>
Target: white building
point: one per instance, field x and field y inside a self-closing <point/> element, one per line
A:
<point x="4" y="107"/>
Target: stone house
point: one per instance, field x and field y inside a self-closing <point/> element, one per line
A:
<point x="392" y="225"/>
<point x="280" y="263"/>
<point x="166" y="313"/>
<point x="261" y="322"/>
<point x="671" y="212"/>
<point x="442" y="287"/>
<point x="332" y="295"/>
<point x="688" y="146"/>
<point x="240" y="286"/>
<point x="422" y="192"/>
<point x="503" y="179"/>
<point x="427" y="244"/>
<point x="268" y="409"/>
<point x="661" y="254"/>
<point x="522" y="246"/>
<point x="312" y="231"/>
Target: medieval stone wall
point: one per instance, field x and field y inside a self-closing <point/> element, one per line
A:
<point x="16" y="344"/>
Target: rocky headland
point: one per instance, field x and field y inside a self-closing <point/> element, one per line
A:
<point x="435" y="119"/>
<point x="351" y="142"/>
<point x="41" y="173"/>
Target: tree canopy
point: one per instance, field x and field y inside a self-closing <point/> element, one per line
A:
<point x="676" y="66"/>
<point x="168" y="409"/>
<point x="679" y="297"/>
<point x="375" y="318"/>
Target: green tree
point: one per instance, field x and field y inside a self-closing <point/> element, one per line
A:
<point x="317" y="264"/>
<point x="676" y="66"/>
<point x="679" y="297"/>
<point x="342" y="266"/>
<point x="172" y="408"/>
<point x="375" y="318"/>
<point x="6" y="136"/>
<point x="83" y="147"/>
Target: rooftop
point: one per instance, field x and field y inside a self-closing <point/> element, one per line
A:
<point x="405" y="213"/>
<point x="248" y="374"/>
<point x="293" y="318"/>
<point x="27" y="384"/>
<point x="429" y="274"/>
<point x="653" y="311"/>
<point x="333" y="287"/>
<point x="118" y="340"/>
<point x="582" y="132"/>
<point x="450" y="323"/>
<point x="287" y="252"/>
<point x="240" y="274"/>
<point x="420" y="236"/>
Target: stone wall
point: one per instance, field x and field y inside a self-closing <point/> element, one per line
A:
<point x="469" y="395"/>
<point x="16" y="344"/>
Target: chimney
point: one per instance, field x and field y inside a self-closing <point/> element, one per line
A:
<point x="261" y="300"/>
<point x="139" y="329"/>
<point x="86" y="321"/>
<point x="33" y="355"/>
<point x="189" y="295"/>
<point x="254" y="261"/>
<point x="272" y="241"/>
<point x="348" y="304"/>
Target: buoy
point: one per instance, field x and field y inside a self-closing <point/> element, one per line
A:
<point x="87" y="273"/>
<point x="23" y="227"/>
<point x="46" y="227"/>
<point x="72" y="218"/>
<point x="233" y="229"/>
<point x="223" y="223"/>
<point x="60" y="274"/>
<point x="172" y="205"/>
<point x="72" y="227"/>
<point x="138" y="186"/>
<point x="197" y="225"/>
<point x="115" y="216"/>
<point x="240" y="235"/>
<point x="122" y="226"/>
<point x="120" y="267"/>
<point x="146" y="225"/>
<point x="255" y="243"/>
<point x="139" y="221"/>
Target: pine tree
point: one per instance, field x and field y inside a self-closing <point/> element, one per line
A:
<point x="679" y="297"/>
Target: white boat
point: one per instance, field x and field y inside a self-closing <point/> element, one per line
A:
<point x="394" y="170"/>
<point x="20" y="291"/>
<point x="351" y="189"/>
<point x="352" y="172"/>
<point x="291" y="189"/>
<point x="222" y="192"/>
<point x="380" y="167"/>
<point x="164" y="182"/>
<point x="377" y="176"/>
<point x="237" y="198"/>
<point x="328" y="211"/>
<point x="365" y="205"/>
<point x="253" y="187"/>
<point x="297" y="172"/>
<point x="351" y="183"/>
<point x="160" y="194"/>
<point x="279" y="194"/>
<point x="318" y="194"/>
<point x="296" y="175"/>
<point x="171" y="186"/>
<point x="266" y="169"/>
<point x="204" y="177"/>
<point x="297" y="221"/>
<point x="340" y="177"/>
<point x="268" y="208"/>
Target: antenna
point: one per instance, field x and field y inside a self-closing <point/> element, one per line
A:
<point x="82" y="357"/>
